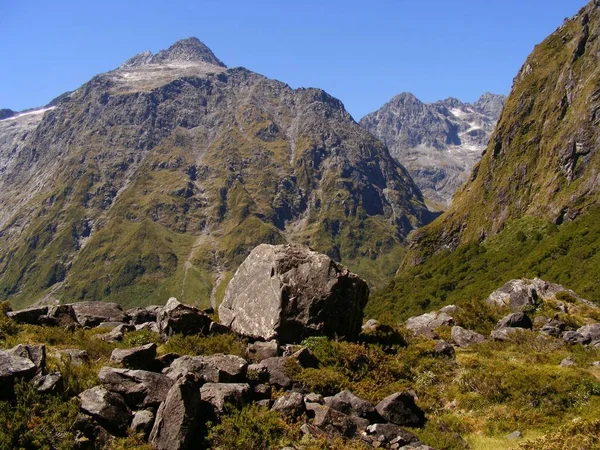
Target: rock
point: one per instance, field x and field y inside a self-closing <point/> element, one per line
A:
<point x="348" y="403"/>
<point x="503" y="334"/>
<point x="567" y="362"/>
<point x="88" y="434"/>
<point x="261" y="392"/>
<point x="539" y="322"/>
<point x="257" y="373"/>
<point x="428" y="321"/>
<point x="108" y="326"/>
<point x="312" y="431"/>
<point x="265" y="403"/>
<point x="177" y="318"/>
<point x="451" y="309"/>
<point x="314" y="398"/>
<point x="140" y="316"/>
<point x="332" y="422"/>
<point x="290" y="405"/>
<point x="400" y="409"/>
<point x="305" y="358"/>
<point x="390" y="433"/>
<point x="29" y="315"/>
<point x="596" y="364"/>
<point x="74" y="356"/>
<point x="217" y="368"/>
<point x="522" y="294"/>
<point x="116" y="334"/>
<point x="553" y="328"/>
<point x="514" y="435"/>
<point x="167" y="359"/>
<point x="275" y="368"/>
<point x="149" y="326"/>
<point x="178" y="424"/>
<point x="13" y="367"/>
<point x="465" y="338"/>
<point x="589" y="333"/>
<point x="442" y="348"/>
<point x="572" y="337"/>
<point x="258" y="351"/>
<point x="140" y="388"/>
<point x="220" y="394"/>
<point x="217" y="328"/>
<point x="48" y="383"/>
<point x="35" y="353"/>
<point x="91" y="314"/>
<point x="515" y="320"/>
<point x="371" y="325"/>
<point x="135" y="358"/>
<point x="108" y="408"/>
<point x="289" y="292"/>
<point x="142" y="422"/>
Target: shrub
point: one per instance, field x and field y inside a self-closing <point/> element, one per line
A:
<point x="196" y="345"/>
<point x="577" y="435"/>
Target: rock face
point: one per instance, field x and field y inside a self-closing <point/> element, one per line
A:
<point x="176" y="150"/>
<point x="178" y="420"/>
<point x="289" y="292"/>
<point x="439" y="143"/>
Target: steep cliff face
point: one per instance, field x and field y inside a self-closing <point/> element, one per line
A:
<point x="530" y="207"/>
<point x="439" y="143"/>
<point x="158" y="178"/>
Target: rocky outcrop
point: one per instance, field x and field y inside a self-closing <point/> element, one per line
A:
<point x="290" y="292"/>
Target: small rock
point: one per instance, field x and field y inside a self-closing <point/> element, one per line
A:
<point x="429" y="322"/>
<point x="351" y="405"/>
<point x="257" y="373"/>
<point x="276" y="369"/>
<point x="290" y="405"/>
<point x="305" y="358"/>
<point x="142" y="422"/>
<point x="589" y="333"/>
<point x="35" y="353"/>
<point x="266" y="403"/>
<point x="371" y="325"/>
<point x="572" y="337"/>
<point x="147" y="326"/>
<point x="514" y="435"/>
<point x="13" y="367"/>
<point x="332" y="422"/>
<point x="74" y="356"/>
<point x="48" y="383"/>
<point x="503" y="334"/>
<point x="314" y="398"/>
<point x="116" y="334"/>
<point x="400" y="409"/>
<point x="465" y="338"/>
<point x="442" y="348"/>
<point x="217" y="368"/>
<point x="220" y="394"/>
<point x="263" y="350"/>
<point x="515" y="320"/>
<point x="135" y="358"/>
<point x="175" y="317"/>
<point x="261" y="392"/>
<point x="392" y="434"/>
<point x="553" y="328"/>
<point x="567" y="362"/>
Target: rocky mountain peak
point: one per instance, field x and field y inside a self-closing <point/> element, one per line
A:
<point x="490" y="104"/>
<point x="190" y="50"/>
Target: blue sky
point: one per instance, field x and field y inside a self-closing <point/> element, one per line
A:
<point x="361" y="52"/>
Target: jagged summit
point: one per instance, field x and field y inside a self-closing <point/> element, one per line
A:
<point x="190" y="50"/>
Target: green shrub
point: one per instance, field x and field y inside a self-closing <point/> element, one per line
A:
<point x="205" y="345"/>
<point x="578" y="434"/>
<point x="8" y="327"/>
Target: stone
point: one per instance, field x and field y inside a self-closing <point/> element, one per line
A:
<point x="178" y="424"/>
<point x="371" y="325"/>
<point x="351" y="405"/>
<point x="108" y="326"/>
<point x="258" y="351"/>
<point x="515" y="320"/>
<point x="590" y="333"/>
<point x="142" y="422"/>
<point x="400" y="409"/>
<point x="451" y="309"/>
<point x="140" y="316"/>
<point x="216" y="368"/>
<point x="74" y="356"/>
<point x="429" y="321"/>
<point x="567" y="362"/>
<point x="290" y="405"/>
<point x="116" y="334"/>
<point x="108" y="408"/>
<point x="177" y="318"/>
<point x="265" y="403"/>
<point x="332" y="422"/>
<point x="148" y="326"/>
<point x="13" y="367"/>
<point x="503" y="334"/>
<point x="314" y="398"/>
<point x="514" y="435"/>
<point x="465" y="338"/>
<point x="289" y="292"/>
<point x="220" y="394"/>
<point x="539" y="322"/>
<point x="135" y="358"/>
<point x="261" y="392"/>
<point x="91" y="314"/>
<point x="391" y="434"/>
<point x="29" y="316"/>
<point x="305" y="358"/>
<point x="217" y="328"/>
<point x="442" y="348"/>
<point x="257" y="373"/>
<point x="140" y="388"/>
<point x="312" y="431"/>
<point x="553" y="328"/>
<point x="35" y="353"/>
<point x="48" y="383"/>
<point x="572" y="337"/>
<point x="275" y="368"/>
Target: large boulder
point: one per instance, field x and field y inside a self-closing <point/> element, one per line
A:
<point x="45" y="315"/>
<point x="140" y="388"/>
<point x="590" y="333"/>
<point x="429" y="321"/>
<point x="400" y="409"/>
<point x="333" y="423"/>
<point x="177" y="318"/>
<point x="289" y="292"/>
<point x="91" y="314"/>
<point x="348" y="403"/>
<point x="522" y="294"/>
<point x="108" y="408"/>
<point x="135" y="358"/>
<point x="178" y="423"/>
<point x="217" y="395"/>
<point x="214" y="368"/>
<point x="139" y="316"/>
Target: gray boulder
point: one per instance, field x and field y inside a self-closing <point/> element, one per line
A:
<point x="289" y="292"/>
<point x="48" y="383"/>
<point x="590" y="333"/>
<point x="135" y="358"/>
<point x="290" y="405"/>
<point x="442" y="348"/>
<point x="503" y="334"/>
<point x="215" y="368"/>
<point x="91" y="314"/>
<point x="258" y="351"/>
<point x="142" y="422"/>
<point x="553" y="328"/>
<point x="74" y="356"/>
<point x="333" y="423"/>
<point x="140" y="388"/>
<point x="13" y="367"/>
<point x="32" y="316"/>
<point x="177" y="318"/>
<point x="217" y="395"/>
<point x="178" y="424"/>
<point x="515" y="320"/>
<point x="400" y="409"/>
<point x="465" y="338"/>
<point x="429" y="321"/>
<point x="314" y="398"/>
<point x="351" y="405"/>
<point x="572" y="337"/>
<point x="116" y="334"/>
<point x="35" y="353"/>
<point x="391" y="434"/>
<point x="108" y="408"/>
<point x="276" y="369"/>
<point x="139" y="316"/>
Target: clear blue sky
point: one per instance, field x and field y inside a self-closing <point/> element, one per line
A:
<point x="363" y="52"/>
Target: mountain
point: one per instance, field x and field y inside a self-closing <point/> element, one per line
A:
<point x="156" y="179"/>
<point x="530" y="208"/>
<point x="439" y="143"/>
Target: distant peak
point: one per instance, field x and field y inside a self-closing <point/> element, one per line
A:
<point x="190" y="50"/>
<point x="406" y="97"/>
